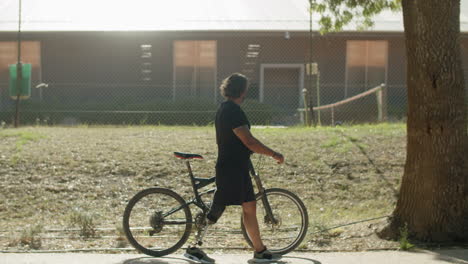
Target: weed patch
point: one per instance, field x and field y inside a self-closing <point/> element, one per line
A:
<point x="405" y="244"/>
<point x="29" y="237"/>
<point x="85" y="221"/>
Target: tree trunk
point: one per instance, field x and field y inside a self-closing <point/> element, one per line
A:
<point x="433" y="200"/>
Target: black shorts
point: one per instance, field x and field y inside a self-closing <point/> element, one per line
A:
<point x="234" y="185"/>
<point x="235" y="189"/>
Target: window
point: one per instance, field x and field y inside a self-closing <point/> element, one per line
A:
<point x="146" y="66"/>
<point x="30" y="53"/>
<point x="250" y="60"/>
<point x="366" y="65"/>
<point x="195" y="69"/>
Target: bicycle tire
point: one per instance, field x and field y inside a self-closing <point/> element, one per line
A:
<point x="168" y="194"/>
<point x="267" y="232"/>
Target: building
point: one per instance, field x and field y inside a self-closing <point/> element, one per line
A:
<point x="124" y="55"/>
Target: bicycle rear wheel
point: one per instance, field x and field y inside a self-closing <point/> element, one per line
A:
<point x="289" y="226"/>
<point x="157" y="221"/>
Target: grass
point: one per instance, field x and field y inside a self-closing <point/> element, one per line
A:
<point x="343" y="174"/>
<point x="21" y="138"/>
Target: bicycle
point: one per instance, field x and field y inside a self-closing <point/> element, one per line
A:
<point x="158" y="221"/>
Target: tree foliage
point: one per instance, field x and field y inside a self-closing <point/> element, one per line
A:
<point x="336" y="14"/>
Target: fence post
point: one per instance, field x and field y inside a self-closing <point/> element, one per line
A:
<point x="318" y="98"/>
<point x="378" y="95"/>
<point x="19" y="79"/>
<point x="333" y="116"/>
<point x="384" y="102"/>
<point x="306" y="107"/>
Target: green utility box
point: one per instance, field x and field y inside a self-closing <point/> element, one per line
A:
<point x="25" y="82"/>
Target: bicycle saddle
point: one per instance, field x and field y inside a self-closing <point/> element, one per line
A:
<point x="181" y="155"/>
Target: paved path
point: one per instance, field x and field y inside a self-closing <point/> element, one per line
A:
<point x="458" y="256"/>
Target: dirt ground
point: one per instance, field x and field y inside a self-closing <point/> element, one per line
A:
<point x="52" y="176"/>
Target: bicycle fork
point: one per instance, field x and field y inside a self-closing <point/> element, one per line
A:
<point x="269" y="217"/>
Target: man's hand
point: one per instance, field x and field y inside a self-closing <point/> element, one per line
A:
<point x="243" y="133"/>
<point x="278" y="157"/>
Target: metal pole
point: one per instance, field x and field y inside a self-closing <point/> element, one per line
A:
<point x="318" y="98"/>
<point x="19" y="72"/>
<point x="40" y="79"/>
<point x="19" y="32"/>
<point x="309" y="110"/>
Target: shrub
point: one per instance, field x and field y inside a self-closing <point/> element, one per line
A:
<point x="184" y="111"/>
<point x="29" y="237"/>
<point x="84" y="221"/>
<point x="404" y="242"/>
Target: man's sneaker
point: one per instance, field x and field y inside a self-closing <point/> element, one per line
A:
<point x="265" y="256"/>
<point x="198" y="255"/>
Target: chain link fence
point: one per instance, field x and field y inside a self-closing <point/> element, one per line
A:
<point x="172" y="78"/>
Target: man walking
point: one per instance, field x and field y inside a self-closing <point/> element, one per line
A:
<point x="234" y="186"/>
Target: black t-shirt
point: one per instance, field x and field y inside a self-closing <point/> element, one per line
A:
<point x="231" y="150"/>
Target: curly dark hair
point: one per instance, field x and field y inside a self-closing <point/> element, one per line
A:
<point x="234" y="85"/>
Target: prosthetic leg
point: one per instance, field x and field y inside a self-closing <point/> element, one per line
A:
<point x="205" y="223"/>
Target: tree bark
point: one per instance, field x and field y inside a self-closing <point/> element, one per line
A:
<point x="433" y="200"/>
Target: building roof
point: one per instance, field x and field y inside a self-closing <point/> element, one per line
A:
<point x="177" y="15"/>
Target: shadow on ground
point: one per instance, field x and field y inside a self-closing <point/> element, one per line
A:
<point x="456" y="256"/>
<point x="163" y="260"/>
<point x="303" y="260"/>
<point x="172" y="260"/>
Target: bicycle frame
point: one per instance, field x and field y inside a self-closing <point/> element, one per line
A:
<point x="198" y="183"/>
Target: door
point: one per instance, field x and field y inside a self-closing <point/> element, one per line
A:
<point x="281" y="87"/>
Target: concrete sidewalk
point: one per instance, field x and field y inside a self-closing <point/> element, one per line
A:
<point x="458" y="256"/>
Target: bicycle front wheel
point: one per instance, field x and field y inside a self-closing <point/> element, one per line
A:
<point x="157" y="221"/>
<point x="288" y="227"/>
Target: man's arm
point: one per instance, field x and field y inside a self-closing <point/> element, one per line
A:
<point x="243" y="133"/>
